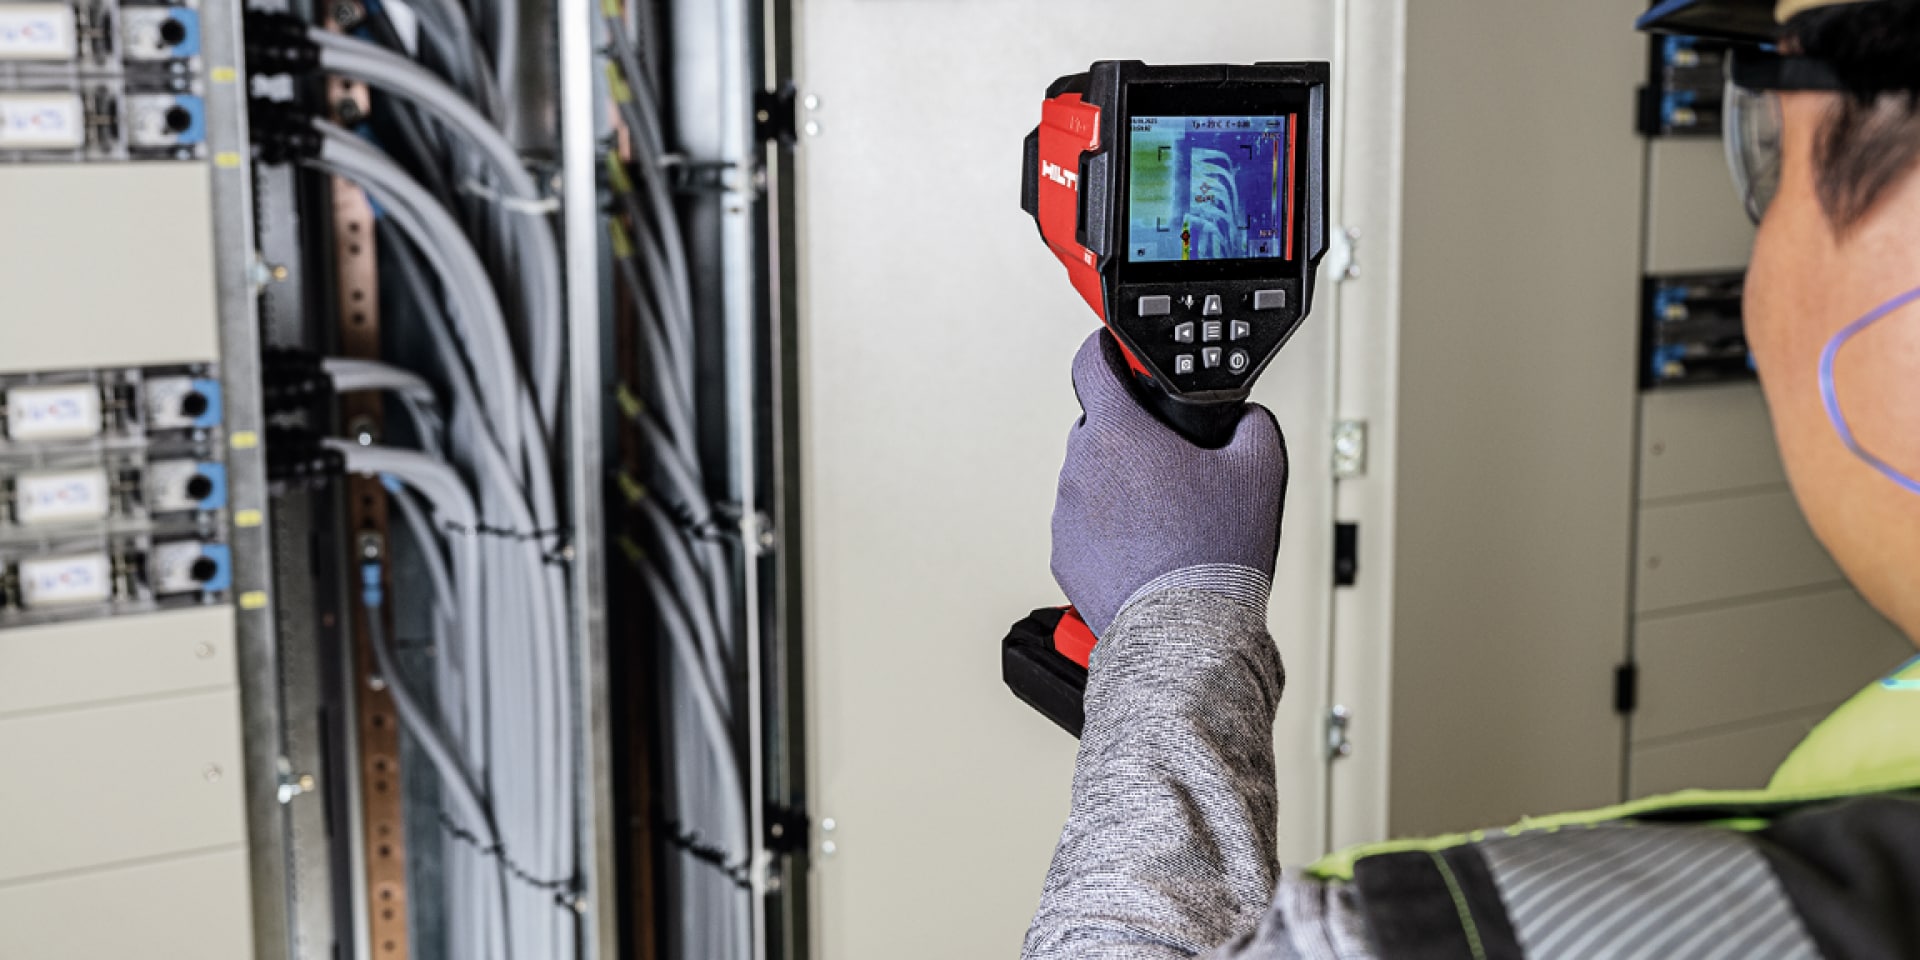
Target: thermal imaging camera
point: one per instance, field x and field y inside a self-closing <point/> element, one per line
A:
<point x="1189" y="205"/>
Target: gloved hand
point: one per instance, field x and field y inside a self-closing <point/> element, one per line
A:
<point x="1141" y="510"/>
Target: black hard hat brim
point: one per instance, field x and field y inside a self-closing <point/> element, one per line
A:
<point x="1742" y="21"/>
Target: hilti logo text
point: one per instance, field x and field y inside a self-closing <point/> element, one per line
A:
<point x="1053" y="172"/>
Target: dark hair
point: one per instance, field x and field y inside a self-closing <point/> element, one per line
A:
<point x="1871" y="142"/>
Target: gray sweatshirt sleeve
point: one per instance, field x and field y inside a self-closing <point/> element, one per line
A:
<point x="1169" y="848"/>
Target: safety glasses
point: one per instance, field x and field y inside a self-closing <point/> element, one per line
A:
<point x="1751" y="117"/>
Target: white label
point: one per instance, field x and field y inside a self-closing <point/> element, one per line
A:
<point x="53" y="413"/>
<point x="36" y="31"/>
<point x="40" y="498"/>
<point x="42" y="121"/>
<point x="58" y="581"/>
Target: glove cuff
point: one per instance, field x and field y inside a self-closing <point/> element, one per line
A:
<point x="1243" y="585"/>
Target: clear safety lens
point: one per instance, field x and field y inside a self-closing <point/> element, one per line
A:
<point x="1751" y="119"/>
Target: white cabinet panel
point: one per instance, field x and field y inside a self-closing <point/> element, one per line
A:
<point x="85" y="788"/>
<point x="1740" y="759"/>
<point x="1701" y="552"/>
<point x="191" y="908"/>
<point x="1695" y="222"/>
<point x="146" y="293"/>
<point x="1706" y="440"/>
<point x="1741" y="663"/>
<point x="115" y="658"/>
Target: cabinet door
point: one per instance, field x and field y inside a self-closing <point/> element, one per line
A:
<point x="936" y="337"/>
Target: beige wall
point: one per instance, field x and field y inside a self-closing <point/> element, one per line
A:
<point x="1516" y="416"/>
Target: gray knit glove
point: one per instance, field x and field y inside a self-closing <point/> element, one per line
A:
<point x="1141" y="510"/>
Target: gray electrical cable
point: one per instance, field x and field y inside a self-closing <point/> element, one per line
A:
<point x="420" y="724"/>
<point x="706" y="794"/>
<point x="517" y="688"/>
<point x="712" y="715"/>
<point x="350" y="374"/>
<point x="649" y="133"/>
<point x="558" y="759"/>
<point x="440" y="485"/>
<point x="440" y="242"/>
<point x="674" y="403"/>
<point x="401" y="77"/>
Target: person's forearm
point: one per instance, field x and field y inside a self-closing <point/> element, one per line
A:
<point x="1169" y="848"/>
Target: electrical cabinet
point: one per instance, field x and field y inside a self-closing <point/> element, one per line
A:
<point x="126" y="514"/>
<point x="1744" y="632"/>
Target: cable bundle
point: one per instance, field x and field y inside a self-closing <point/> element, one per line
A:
<point x="472" y="249"/>
<point x="682" y="547"/>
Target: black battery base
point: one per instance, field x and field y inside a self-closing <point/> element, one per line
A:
<point x="1040" y="675"/>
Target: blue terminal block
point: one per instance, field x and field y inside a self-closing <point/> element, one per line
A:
<point x="216" y="476"/>
<point x="189" y="21"/>
<point x="222" y="579"/>
<point x="196" y="131"/>
<point x="215" y="412"/>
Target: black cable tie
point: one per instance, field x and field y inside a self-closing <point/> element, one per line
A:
<point x="697" y="847"/>
<point x="566" y="893"/>
<point x="561" y="555"/>
<point x="503" y="533"/>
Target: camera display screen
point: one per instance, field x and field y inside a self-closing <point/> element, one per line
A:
<point x="1210" y="188"/>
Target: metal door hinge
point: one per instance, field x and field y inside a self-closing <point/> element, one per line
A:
<point x="787" y="830"/>
<point x="1342" y="262"/>
<point x="1626" y="688"/>
<point x="1346" y="554"/>
<point x="1339" y="746"/>
<point x="1349" y="449"/>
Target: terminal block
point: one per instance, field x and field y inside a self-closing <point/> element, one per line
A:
<point x="1692" y="331"/>
<point x="1685" y="86"/>
<point x="159" y="33"/>
<point x="185" y="486"/>
<point x="83" y="409"/>
<point x="182" y="403"/>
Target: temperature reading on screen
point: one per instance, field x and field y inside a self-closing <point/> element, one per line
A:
<point x="1210" y="188"/>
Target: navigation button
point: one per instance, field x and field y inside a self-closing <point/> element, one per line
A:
<point x="1156" y="306"/>
<point x="1239" y="330"/>
<point x="1238" y="361"/>
<point x="1210" y="357"/>
<point x="1183" y="364"/>
<point x="1210" y="331"/>
<point x="1213" y="307"/>
<point x="1270" y="300"/>
<point x="1183" y="333"/>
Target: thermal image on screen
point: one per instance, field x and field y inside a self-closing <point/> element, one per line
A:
<point x="1208" y="188"/>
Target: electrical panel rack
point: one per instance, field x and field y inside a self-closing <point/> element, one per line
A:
<point x="1691" y="330"/>
<point x="1685" y="85"/>
<point x="135" y="631"/>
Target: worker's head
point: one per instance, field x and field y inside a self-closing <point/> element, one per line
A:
<point x="1840" y="239"/>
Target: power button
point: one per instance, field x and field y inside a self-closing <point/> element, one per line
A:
<point x="1238" y="361"/>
